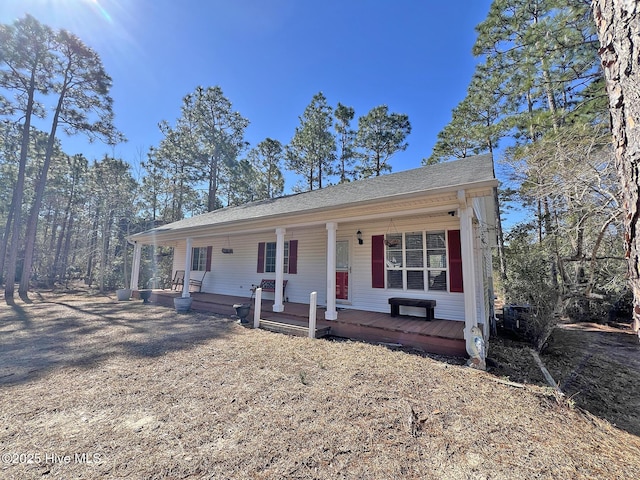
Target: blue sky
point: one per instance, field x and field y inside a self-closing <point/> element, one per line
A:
<point x="270" y="57"/>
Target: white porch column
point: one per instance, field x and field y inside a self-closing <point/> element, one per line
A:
<point x="468" y="271"/>
<point x="187" y="268"/>
<point x="278" y="304"/>
<point x="135" y="266"/>
<point x="331" y="313"/>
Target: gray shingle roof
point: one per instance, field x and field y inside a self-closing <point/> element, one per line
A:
<point x="433" y="177"/>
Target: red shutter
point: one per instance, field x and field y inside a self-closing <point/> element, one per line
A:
<point x="209" y="252"/>
<point x="260" y="257"/>
<point x="377" y="261"/>
<point x="293" y="256"/>
<point x="455" y="261"/>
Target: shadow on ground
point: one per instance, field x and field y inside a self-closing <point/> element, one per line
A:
<point x="61" y="331"/>
<point x="596" y="366"/>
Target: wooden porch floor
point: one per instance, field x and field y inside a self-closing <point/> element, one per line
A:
<point x="443" y="337"/>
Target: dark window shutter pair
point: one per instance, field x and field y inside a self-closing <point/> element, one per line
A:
<point x="293" y="256"/>
<point x="455" y="261"/>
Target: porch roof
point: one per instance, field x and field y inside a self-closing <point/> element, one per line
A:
<point x="429" y="180"/>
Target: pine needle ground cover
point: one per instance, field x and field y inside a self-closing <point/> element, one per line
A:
<point x="94" y="388"/>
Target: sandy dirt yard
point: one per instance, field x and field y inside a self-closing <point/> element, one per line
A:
<point x="95" y="388"/>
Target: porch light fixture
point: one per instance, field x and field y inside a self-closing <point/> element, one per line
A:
<point x="359" y="236"/>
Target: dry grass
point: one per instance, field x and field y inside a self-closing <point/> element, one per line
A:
<point x="160" y="395"/>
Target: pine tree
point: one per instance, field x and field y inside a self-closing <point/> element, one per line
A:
<point x="380" y="135"/>
<point x="346" y="137"/>
<point x="83" y="106"/>
<point x="266" y="159"/>
<point x="26" y="63"/>
<point x="537" y="76"/>
<point x="311" y="152"/>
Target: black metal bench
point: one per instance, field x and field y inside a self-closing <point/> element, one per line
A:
<point x="396" y="302"/>
<point x="268" y="285"/>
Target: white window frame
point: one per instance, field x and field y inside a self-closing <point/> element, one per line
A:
<point x="270" y="257"/>
<point x="199" y="259"/>
<point x="393" y="263"/>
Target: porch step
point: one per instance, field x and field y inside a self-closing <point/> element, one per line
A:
<point x="296" y="330"/>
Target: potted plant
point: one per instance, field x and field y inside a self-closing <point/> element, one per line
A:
<point x="182" y="304"/>
<point x="145" y="295"/>
<point x="123" y="294"/>
<point x="242" y="311"/>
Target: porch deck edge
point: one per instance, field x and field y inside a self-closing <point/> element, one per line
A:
<point x="428" y="343"/>
<point x="297" y="330"/>
<point x="352" y="329"/>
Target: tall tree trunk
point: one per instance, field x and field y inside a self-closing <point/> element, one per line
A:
<point x="214" y="167"/>
<point x="51" y="224"/>
<point x="618" y="23"/>
<point x="103" y="257"/>
<point x="496" y="200"/>
<point x="551" y="99"/>
<point x="32" y="225"/>
<point x="65" y="254"/>
<point x="55" y="267"/>
<point x="551" y="234"/>
<point x="501" y="254"/>
<point x="67" y="224"/>
<point x="93" y="248"/>
<point x="539" y="218"/>
<point x="18" y="194"/>
<point x="4" y="241"/>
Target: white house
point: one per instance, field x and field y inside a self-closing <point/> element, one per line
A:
<point x="424" y="233"/>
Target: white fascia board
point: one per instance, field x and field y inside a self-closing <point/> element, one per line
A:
<point x="355" y="211"/>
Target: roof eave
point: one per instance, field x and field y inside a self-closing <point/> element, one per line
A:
<point x="176" y="234"/>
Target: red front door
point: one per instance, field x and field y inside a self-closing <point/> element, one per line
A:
<point x="342" y="285"/>
<point x="342" y="270"/>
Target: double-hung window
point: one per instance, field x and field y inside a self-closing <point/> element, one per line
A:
<point x="416" y="261"/>
<point x="199" y="259"/>
<point x="270" y="257"/>
<point x="267" y="257"/>
<point x="437" y="261"/>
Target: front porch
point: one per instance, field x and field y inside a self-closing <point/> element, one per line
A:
<point x="444" y="337"/>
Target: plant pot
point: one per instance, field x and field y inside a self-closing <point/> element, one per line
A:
<point x="242" y="311"/>
<point x="123" y="294"/>
<point x="145" y="295"/>
<point x="182" y="304"/>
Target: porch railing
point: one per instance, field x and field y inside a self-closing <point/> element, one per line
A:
<point x="313" y="303"/>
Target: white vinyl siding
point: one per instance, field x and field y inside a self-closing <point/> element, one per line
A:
<point x="234" y="274"/>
